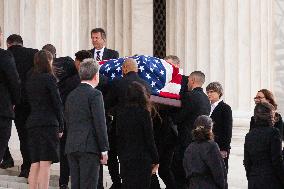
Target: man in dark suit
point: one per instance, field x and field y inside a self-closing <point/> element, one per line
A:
<point x="87" y="142"/>
<point x="221" y="114"/>
<point x="114" y="100"/>
<point x="24" y="58"/>
<point x="100" y="52"/>
<point x="10" y="95"/>
<point x="194" y="103"/>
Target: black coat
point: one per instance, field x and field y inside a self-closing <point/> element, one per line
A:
<point x="222" y="129"/>
<point x="262" y="158"/>
<point x="116" y="98"/>
<point x="108" y="54"/>
<point x="85" y="121"/>
<point x="44" y="100"/>
<point x="194" y="104"/>
<point x="204" y="166"/>
<point x="135" y="137"/>
<point x="9" y="84"/>
<point x="278" y="124"/>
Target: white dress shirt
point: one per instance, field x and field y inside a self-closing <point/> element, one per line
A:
<point x="101" y="53"/>
<point x="213" y="106"/>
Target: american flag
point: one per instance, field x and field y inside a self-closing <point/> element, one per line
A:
<point x="164" y="78"/>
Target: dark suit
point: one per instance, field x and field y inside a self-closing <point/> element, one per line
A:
<point x="222" y="129"/>
<point x="10" y="95"/>
<point x="194" y="104"/>
<point x="86" y="135"/>
<point x="24" y="59"/>
<point x="135" y="146"/>
<point x="263" y="158"/>
<point x="108" y="54"/>
<point x="204" y="166"/>
<point x="115" y="99"/>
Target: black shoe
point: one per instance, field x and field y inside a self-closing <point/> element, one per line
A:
<point x="7" y="164"/>
<point x="24" y="173"/>
<point x="63" y="186"/>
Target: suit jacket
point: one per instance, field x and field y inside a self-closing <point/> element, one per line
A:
<point x="193" y="104"/>
<point x="24" y="59"/>
<point x="204" y="166"/>
<point x="9" y="84"/>
<point x="108" y="54"/>
<point x="263" y="157"/>
<point x="135" y="137"/>
<point x="44" y="100"/>
<point x="116" y="98"/>
<point x="85" y="121"/>
<point x="222" y="129"/>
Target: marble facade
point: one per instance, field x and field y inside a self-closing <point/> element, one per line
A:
<point x="236" y="42"/>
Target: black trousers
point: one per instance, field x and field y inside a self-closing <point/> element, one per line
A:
<point x="5" y="134"/>
<point x="136" y="173"/>
<point x="113" y="164"/>
<point x="64" y="165"/>
<point x="7" y="155"/>
<point x="177" y="167"/>
<point x="21" y="115"/>
<point x="84" y="170"/>
<point x="165" y="168"/>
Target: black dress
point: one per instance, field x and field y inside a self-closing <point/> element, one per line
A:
<point x="45" y="120"/>
<point x="262" y="158"/>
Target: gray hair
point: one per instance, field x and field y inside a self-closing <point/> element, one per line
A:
<point x="216" y="87"/>
<point x="88" y="69"/>
<point x="174" y="58"/>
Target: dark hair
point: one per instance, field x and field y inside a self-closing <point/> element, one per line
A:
<point x="203" y="129"/>
<point x="216" y="87"/>
<point x="42" y="62"/>
<point x="263" y="114"/>
<point x="15" y="39"/>
<point x="199" y="76"/>
<point x="83" y="54"/>
<point x="137" y="96"/>
<point x="269" y="96"/>
<point x="50" y="48"/>
<point x="99" y="30"/>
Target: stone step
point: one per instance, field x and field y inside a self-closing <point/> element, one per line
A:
<point x="14" y="182"/>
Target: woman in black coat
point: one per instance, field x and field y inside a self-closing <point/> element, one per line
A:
<point x="265" y="95"/>
<point x="221" y="114"/>
<point x="262" y="151"/>
<point x="45" y="122"/>
<point x="203" y="163"/>
<point x="136" y="147"/>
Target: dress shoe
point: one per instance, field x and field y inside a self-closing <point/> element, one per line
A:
<point x="7" y="164"/>
<point x="63" y="186"/>
<point x="24" y="173"/>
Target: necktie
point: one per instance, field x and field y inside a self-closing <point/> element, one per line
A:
<point x="98" y="58"/>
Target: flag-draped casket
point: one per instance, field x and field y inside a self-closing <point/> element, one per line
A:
<point x="164" y="78"/>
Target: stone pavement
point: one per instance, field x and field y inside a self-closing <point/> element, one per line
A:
<point x="236" y="177"/>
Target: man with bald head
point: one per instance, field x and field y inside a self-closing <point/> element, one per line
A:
<point x="194" y="103"/>
<point x="115" y="99"/>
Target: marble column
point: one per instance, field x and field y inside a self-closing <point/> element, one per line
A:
<point x="229" y="40"/>
<point x="67" y="23"/>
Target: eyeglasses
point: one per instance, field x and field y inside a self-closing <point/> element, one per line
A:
<point x="258" y="97"/>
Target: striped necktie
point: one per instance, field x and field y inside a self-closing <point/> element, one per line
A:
<point x="98" y="58"/>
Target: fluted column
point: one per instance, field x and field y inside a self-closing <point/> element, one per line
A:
<point x="229" y="40"/>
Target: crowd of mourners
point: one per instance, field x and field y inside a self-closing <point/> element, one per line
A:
<point x="66" y="111"/>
